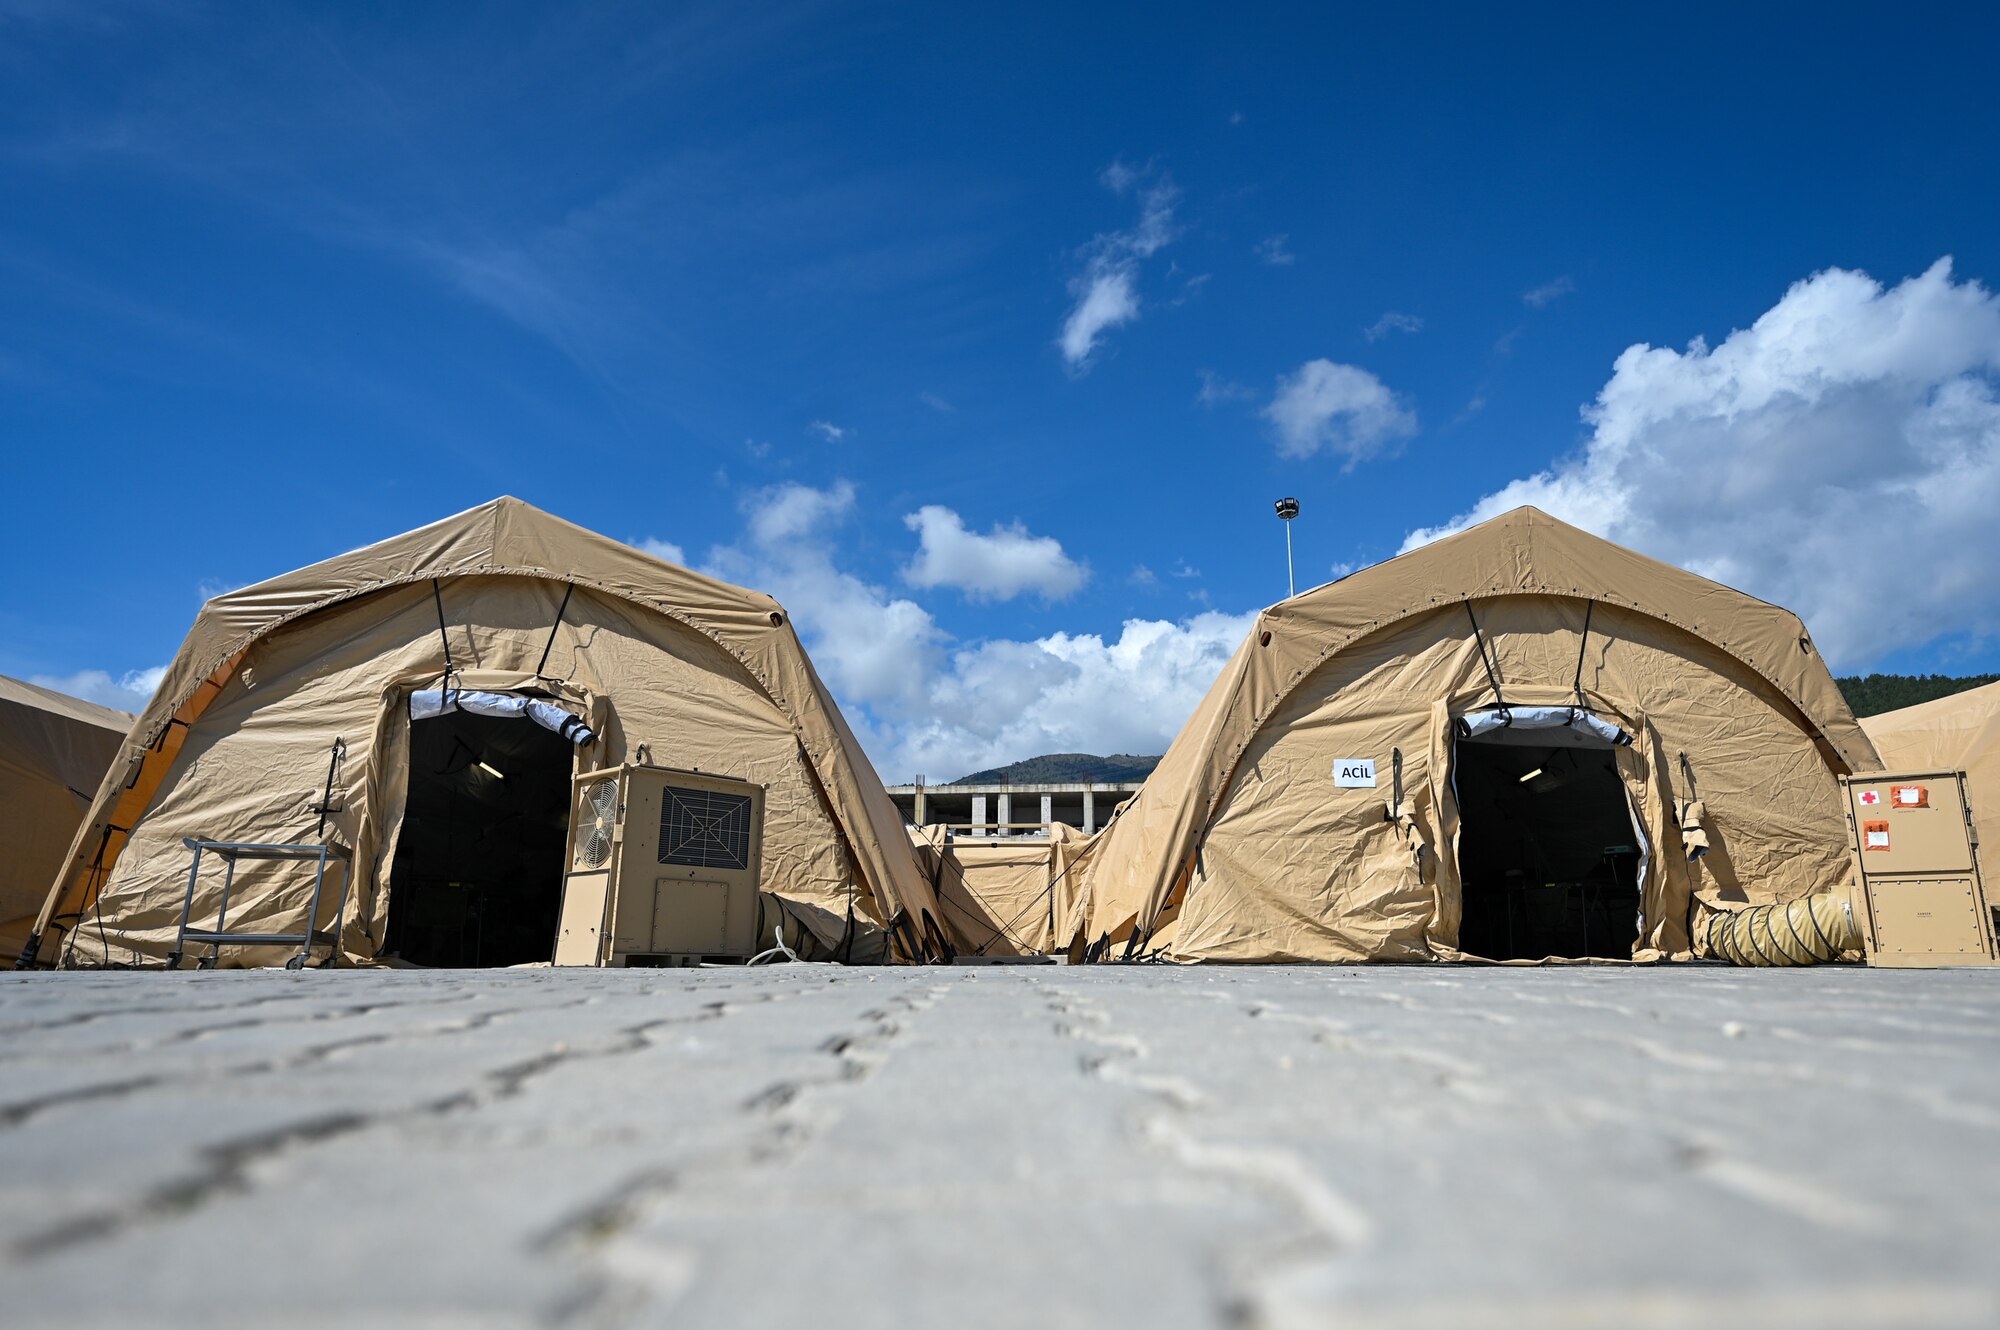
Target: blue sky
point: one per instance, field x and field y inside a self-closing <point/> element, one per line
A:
<point x="985" y="340"/>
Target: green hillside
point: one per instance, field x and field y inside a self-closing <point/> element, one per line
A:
<point x="1065" y="768"/>
<point x="1873" y="694"/>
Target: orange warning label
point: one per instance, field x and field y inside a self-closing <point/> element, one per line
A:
<point x="1909" y="796"/>
<point x="1874" y="835"/>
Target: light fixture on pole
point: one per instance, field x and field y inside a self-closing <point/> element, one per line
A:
<point x="1288" y="508"/>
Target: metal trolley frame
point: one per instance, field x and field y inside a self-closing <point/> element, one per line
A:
<point x="232" y="852"/>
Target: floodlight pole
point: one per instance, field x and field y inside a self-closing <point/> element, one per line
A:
<point x="1287" y="509"/>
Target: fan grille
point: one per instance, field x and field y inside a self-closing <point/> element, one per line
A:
<point x="593" y="843"/>
<point x="704" y="828"/>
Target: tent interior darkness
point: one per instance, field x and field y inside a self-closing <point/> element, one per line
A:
<point x="1546" y="853"/>
<point x="477" y="878"/>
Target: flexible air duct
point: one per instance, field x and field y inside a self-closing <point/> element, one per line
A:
<point x="1806" y="931"/>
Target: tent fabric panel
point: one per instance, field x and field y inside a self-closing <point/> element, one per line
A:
<point x="996" y="896"/>
<point x="54" y="752"/>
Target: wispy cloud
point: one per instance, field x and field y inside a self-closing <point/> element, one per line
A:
<point x="664" y="550"/>
<point x="1215" y="389"/>
<point x="1548" y="293"/>
<point x="1105" y="291"/>
<point x="829" y="431"/>
<point x="1276" y="251"/>
<point x="1392" y="322"/>
<point x="129" y="691"/>
<point x="1343" y="409"/>
<point x="936" y="403"/>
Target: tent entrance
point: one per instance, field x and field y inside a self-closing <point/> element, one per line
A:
<point x="477" y="877"/>
<point x="1548" y="859"/>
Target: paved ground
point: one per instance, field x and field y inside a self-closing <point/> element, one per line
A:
<point x="1036" y="1146"/>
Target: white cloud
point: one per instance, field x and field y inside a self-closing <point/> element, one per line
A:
<point x="1276" y="251"/>
<point x="795" y="512"/>
<point x="1141" y="575"/>
<point x="662" y="549"/>
<point x="1840" y="456"/>
<point x="998" y="566"/>
<point x="827" y="430"/>
<point x="1548" y="293"/>
<point x="1335" y="408"/>
<point x="1105" y="298"/>
<point x="874" y="649"/>
<point x="130" y="691"/>
<point x="1392" y="321"/>
<point x="923" y="704"/>
<point x="1215" y="388"/>
<point x="999" y="701"/>
<point x="936" y="403"/>
<point x="1105" y="291"/>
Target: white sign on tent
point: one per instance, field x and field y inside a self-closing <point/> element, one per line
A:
<point x="1354" y="773"/>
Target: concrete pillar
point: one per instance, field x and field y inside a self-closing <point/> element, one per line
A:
<point x="1048" y="811"/>
<point x="1089" y="811"/>
<point x="922" y="806"/>
<point x="1006" y="815"/>
<point x="978" y="814"/>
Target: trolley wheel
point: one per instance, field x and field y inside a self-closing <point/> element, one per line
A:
<point x="173" y="960"/>
<point x="296" y="963"/>
<point x="205" y="963"/>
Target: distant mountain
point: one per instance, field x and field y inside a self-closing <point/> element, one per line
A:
<point x="1065" y="768"/>
<point x="1873" y="694"/>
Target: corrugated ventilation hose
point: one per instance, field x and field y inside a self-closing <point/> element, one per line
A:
<point x="1806" y="931"/>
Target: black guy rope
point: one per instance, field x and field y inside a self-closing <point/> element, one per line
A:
<point x="1492" y="677"/>
<point x="1589" y="608"/>
<point x="553" y="629"/>
<point x="443" y="637"/>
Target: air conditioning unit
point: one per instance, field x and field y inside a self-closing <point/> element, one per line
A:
<point x="663" y="868"/>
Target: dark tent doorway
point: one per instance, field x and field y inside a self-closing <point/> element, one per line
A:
<point x="477" y="877"/>
<point x="1549" y="863"/>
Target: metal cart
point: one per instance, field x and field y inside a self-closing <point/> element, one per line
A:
<point x="231" y="853"/>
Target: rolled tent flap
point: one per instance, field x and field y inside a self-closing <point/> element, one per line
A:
<point x="430" y="702"/>
<point x="1584" y="722"/>
<point x="1694" y="828"/>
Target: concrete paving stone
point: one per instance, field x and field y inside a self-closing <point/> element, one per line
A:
<point x="1034" y="1145"/>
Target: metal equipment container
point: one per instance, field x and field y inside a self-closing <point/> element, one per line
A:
<point x="663" y="868"/>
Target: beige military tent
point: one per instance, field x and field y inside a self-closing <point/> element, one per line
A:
<point x="1957" y="732"/>
<point x="457" y="831"/>
<point x="1517" y="742"/>
<point x="54" y="751"/>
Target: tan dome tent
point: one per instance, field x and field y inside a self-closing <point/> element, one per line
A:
<point x="457" y="816"/>
<point x="1958" y="732"/>
<point x="1486" y="747"/>
<point x="54" y="751"/>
